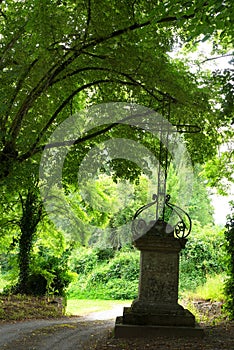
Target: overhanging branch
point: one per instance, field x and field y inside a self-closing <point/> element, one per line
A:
<point x="34" y="149"/>
<point x="67" y="59"/>
<point x="96" y="133"/>
<point x="125" y="75"/>
<point x="216" y="58"/>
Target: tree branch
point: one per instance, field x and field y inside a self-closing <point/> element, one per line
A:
<point x="132" y="82"/>
<point x="11" y="43"/>
<point x="32" y="97"/>
<point x="35" y="149"/>
<point x="17" y="89"/>
<point x="58" y="67"/>
<point x="175" y="18"/>
<point x="94" y="134"/>
<point x="125" y="75"/>
<point x="217" y="57"/>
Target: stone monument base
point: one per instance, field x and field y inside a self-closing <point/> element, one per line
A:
<point x="174" y="316"/>
<point x="156" y="311"/>
<point x="154" y="331"/>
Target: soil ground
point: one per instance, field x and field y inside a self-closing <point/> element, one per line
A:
<point x="95" y="331"/>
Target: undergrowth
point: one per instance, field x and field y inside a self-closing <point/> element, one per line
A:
<point x="212" y="290"/>
<point x="20" y="307"/>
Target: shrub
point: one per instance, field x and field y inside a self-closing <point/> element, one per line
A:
<point x="49" y="273"/>
<point x="98" y="276"/>
<point x="125" y="266"/>
<point x="229" y="287"/>
<point x="83" y="260"/>
<point x="114" y="279"/>
<point x="110" y="274"/>
<point x="204" y="255"/>
<point x="37" y="285"/>
<point x="212" y="289"/>
<point x="121" y="289"/>
<point x="104" y="254"/>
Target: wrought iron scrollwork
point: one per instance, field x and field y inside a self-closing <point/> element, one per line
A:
<point x="139" y="226"/>
<point x="162" y="203"/>
<point x="181" y="229"/>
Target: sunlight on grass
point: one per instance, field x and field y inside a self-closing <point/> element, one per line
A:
<point x="211" y="290"/>
<point x="81" y="307"/>
<point x="3" y="283"/>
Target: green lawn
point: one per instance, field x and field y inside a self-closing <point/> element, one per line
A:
<point x="83" y="307"/>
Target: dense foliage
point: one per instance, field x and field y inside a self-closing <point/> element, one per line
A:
<point x="58" y="57"/>
<point x="203" y="255"/>
<point x="103" y="274"/>
<point x="229" y="287"/>
<point x="55" y="56"/>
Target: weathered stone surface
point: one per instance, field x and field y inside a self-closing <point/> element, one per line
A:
<point x="153" y="331"/>
<point x="159" y="276"/>
<point x="160" y="317"/>
<point x="157" y="302"/>
<point x="159" y="273"/>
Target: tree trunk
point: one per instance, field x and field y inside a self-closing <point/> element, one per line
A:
<point x="31" y="216"/>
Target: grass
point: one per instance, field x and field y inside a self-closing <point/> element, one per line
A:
<point x="211" y="290"/>
<point x="21" y="307"/>
<point x="83" y="307"/>
<point x="3" y="283"/>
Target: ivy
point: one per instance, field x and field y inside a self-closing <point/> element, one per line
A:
<point x="229" y="287"/>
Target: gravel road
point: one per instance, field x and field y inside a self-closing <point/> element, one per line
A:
<point x="92" y="332"/>
<point x="63" y="334"/>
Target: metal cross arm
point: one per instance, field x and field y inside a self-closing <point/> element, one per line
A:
<point x="161" y="199"/>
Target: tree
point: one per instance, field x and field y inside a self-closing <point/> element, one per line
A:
<point x="24" y="213"/>
<point x="40" y="267"/>
<point x="31" y="216"/>
<point x="199" y="205"/>
<point x="219" y="169"/>
<point x="65" y="55"/>
<point x="53" y="55"/>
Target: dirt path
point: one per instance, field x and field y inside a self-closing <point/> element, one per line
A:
<point x="93" y="331"/>
<point x="62" y="334"/>
<point x="54" y="336"/>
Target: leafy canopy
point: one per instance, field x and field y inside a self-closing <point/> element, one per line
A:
<point x="59" y="56"/>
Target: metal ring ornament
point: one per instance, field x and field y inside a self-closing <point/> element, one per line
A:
<point x="139" y="226"/>
<point x="181" y="229"/>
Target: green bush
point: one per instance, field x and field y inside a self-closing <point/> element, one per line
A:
<point x="212" y="289"/>
<point x="104" y="254"/>
<point x="114" y="279"/>
<point x="124" y="266"/>
<point x="9" y="272"/>
<point x="37" y="284"/>
<point x="121" y="289"/>
<point x="49" y="274"/>
<point x="110" y="274"/>
<point x="229" y="287"/>
<point x="83" y="260"/>
<point x="98" y="276"/>
<point x="204" y="255"/>
<point x="83" y="288"/>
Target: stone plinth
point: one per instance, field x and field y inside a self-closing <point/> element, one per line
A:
<point x="153" y="331"/>
<point x="156" y="310"/>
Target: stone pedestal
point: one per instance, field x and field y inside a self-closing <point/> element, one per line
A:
<point x="156" y="310"/>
